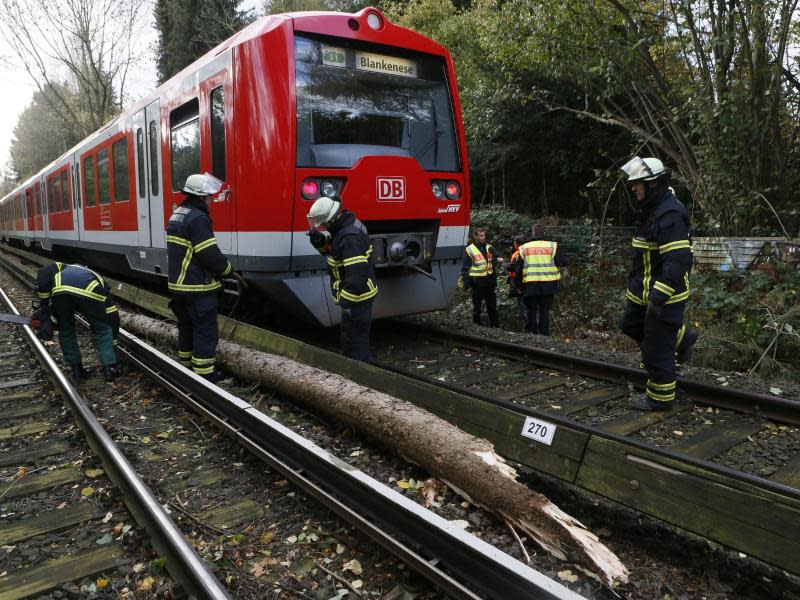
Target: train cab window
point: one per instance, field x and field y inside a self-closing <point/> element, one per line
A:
<point x="119" y="152"/>
<point x="140" y="160"/>
<point x="88" y="180"/>
<point x="154" y="141"/>
<point x="218" y="133"/>
<point x="65" y="196"/>
<point x="184" y="126"/>
<point x="103" y="178"/>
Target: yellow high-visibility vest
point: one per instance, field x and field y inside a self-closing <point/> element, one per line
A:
<point x="481" y="265"/>
<point x="540" y="262"/>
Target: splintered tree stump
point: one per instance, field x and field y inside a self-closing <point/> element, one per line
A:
<point x="467" y="464"/>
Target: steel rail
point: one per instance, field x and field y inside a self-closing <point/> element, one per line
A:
<point x="773" y="407"/>
<point x="380" y="512"/>
<point x="183" y="563"/>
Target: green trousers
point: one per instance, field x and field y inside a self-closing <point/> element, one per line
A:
<point x="64" y="308"/>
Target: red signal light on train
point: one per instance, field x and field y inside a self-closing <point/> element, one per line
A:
<point x="452" y="190"/>
<point x="310" y="189"/>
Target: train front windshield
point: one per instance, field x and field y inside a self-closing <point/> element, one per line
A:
<point x="355" y="101"/>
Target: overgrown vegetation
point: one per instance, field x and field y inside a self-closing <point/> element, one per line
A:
<point x="749" y="320"/>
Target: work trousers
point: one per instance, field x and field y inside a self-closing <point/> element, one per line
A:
<point x="64" y="308"/>
<point x="480" y="295"/>
<point x="523" y="310"/>
<point x="657" y="337"/>
<point x="538" y="314"/>
<point x="197" y="330"/>
<point x="355" y="330"/>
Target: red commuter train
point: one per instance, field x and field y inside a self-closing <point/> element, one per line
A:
<point x="291" y="107"/>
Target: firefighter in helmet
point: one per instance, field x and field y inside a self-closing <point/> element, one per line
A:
<point x="195" y="266"/>
<point x="338" y="235"/>
<point x="658" y="282"/>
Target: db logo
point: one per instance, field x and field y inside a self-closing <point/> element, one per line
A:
<point x="392" y="189"/>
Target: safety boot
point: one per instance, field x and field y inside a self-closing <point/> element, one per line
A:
<point x="79" y="372"/>
<point x="111" y="372"/>
<point x="644" y="402"/>
<point x="689" y="338"/>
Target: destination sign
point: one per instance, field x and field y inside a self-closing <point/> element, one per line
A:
<point x="378" y="63"/>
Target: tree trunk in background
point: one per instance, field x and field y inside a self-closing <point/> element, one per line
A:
<point x="466" y="463"/>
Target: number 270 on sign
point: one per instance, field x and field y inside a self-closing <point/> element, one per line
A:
<point x="540" y="431"/>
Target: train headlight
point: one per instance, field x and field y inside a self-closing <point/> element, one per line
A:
<point x="310" y="189"/>
<point x="438" y="189"/>
<point x="374" y="21"/>
<point x="452" y="190"/>
<point x="329" y="188"/>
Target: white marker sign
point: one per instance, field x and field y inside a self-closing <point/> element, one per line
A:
<point x="538" y="430"/>
<point x="366" y="61"/>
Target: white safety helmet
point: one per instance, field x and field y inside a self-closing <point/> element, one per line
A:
<point x="202" y="185"/>
<point x="324" y="211"/>
<point x="643" y="169"/>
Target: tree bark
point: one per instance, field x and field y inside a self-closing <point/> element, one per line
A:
<point x="466" y="463"/>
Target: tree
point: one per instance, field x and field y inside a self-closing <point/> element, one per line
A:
<point x="187" y="29"/>
<point x="92" y="42"/>
<point x="274" y="7"/>
<point x="42" y="134"/>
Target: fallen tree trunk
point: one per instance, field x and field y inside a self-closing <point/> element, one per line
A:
<point x="466" y="463"/>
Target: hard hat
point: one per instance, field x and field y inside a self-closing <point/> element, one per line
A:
<point x="324" y="211"/>
<point x="643" y="169"/>
<point x="202" y="185"/>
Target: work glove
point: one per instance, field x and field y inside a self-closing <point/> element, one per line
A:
<point x="241" y="284"/>
<point x="45" y="331"/>
<point x="653" y="309"/>
<point x="319" y="239"/>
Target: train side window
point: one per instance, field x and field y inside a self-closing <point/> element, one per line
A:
<point x="103" y="177"/>
<point x="184" y="126"/>
<point x="66" y="200"/>
<point x="75" y="171"/>
<point x="154" y="142"/>
<point x="37" y="200"/>
<point x="119" y="152"/>
<point x="140" y="160"/>
<point x="218" y="133"/>
<point x="57" y="193"/>
<point x="88" y="180"/>
<point x="50" y="206"/>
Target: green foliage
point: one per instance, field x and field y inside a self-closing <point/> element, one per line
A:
<point x="500" y="222"/>
<point x="274" y="7"/>
<point x="187" y="29"/>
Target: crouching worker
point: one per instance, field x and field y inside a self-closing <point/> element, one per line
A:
<point x="68" y="289"/>
<point x="337" y="234"/>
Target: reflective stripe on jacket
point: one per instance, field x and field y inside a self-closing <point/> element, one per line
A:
<point x="195" y="263"/>
<point x="661" y="258"/>
<point x="350" y="261"/>
<point x="539" y="265"/>
<point x="481" y="265"/>
<point x="75" y="280"/>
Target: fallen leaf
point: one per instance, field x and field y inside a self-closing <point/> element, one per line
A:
<point x="62" y="506"/>
<point x="567" y="576"/>
<point x="460" y="523"/>
<point x="356" y="583"/>
<point x="138" y="567"/>
<point x="352" y="565"/>
<point x="93" y="473"/>
<point x="101" y="583"/>
<point x="291" y="539"/>
<point x="403" y="484"/>
<point x="357" y="453"/>
<point x="87" y="491"/>
<point x="146" y="439"/>
<point x="108" y="517"/>
<point x="164" y="435"/>
<point x="429" y="490"/>
<point x="117" y="529"/>
<point x="678" y="432"/>
<point x="340" y="548"/>
<point x="775" y="390"/>
<point x="106" y="539"/>
<point x="267" y="537"/>
<point x="262" y="566"/>
<point x="146" y="583"/>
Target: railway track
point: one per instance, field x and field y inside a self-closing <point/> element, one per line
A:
<point x="457" y="563"/>
<point x="74" y="515"/>
<point x="597" y="444"/>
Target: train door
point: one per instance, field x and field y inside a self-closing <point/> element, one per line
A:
<point x="75" y="198"/>
<point x="154" y="177"/>
<point x="216" y="94"/>
<point x="140" y="176"/>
